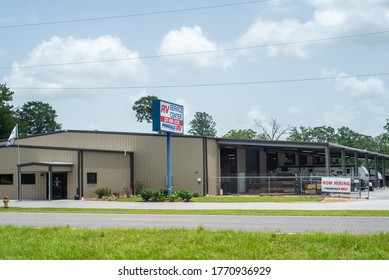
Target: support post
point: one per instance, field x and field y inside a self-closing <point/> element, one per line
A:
<point x="19" y="183"/>
<point x="50" y="181"/>
<point x="169" y="165"/>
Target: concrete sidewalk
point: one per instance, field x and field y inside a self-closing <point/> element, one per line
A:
<point x="378" y="200"/>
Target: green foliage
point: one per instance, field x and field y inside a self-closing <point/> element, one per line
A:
<point x="59" y="243"/>
<point x="146" y="194"/>
<point x="143" y="108"/>
<point x="162" y="195"/>
<point x="202" y="125"/>
<point x="103" y="192"/>
<point x="241" y="134"/>
<point x="343" y="136"/>
<point x="159" y="196"/>
<point x="185" y="195"/>
<point x="7" y="115"/>
<point x="36" y="117"/>
<point x="138" y="186"/>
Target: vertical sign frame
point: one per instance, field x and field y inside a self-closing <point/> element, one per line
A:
<point x="168" y="118"/>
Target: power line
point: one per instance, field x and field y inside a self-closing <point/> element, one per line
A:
<point x="297" y="80"/>
<point x="134" y="15"/>
<point x="199" y="52"/>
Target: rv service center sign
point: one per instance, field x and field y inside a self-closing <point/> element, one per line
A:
<point x="336" y="185"/>
<point x="168" y="117"/>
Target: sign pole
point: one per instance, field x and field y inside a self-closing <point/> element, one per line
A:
<point x="168" y="118"/>
<point x="169" y="165"/>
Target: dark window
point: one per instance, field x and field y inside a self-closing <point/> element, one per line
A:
<point x="91" y="178"/>
<point x="303" y="160"/>
<point x="290" y="159"/>
<point x="252" y="161"/>
<point x="28" y="179"/>
<point x="6" y="179"/>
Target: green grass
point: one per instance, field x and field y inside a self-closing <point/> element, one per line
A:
<point x="365" y="213"/>
<point x="181" y="244"/>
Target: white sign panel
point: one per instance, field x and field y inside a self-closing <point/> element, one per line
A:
<point x="336" y="185"/>
<point x="168" y="117"/>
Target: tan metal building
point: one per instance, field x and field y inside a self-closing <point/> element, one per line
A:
<point x="74" y="164"/>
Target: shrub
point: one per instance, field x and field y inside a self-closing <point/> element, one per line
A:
<point x="126" y="192"/>
<point x="160" y="195"/>
<point x="103" y="192"/>
<point x="185" y="195"/>
<point x="146" y="194"/>
<point x="174" y="196"/>
<point x="139" y="185"/>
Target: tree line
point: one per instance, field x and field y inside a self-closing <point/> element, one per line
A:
<point x="203" y="125"/>
<point x="36" y="117"/>
<point x="33" y="117"/>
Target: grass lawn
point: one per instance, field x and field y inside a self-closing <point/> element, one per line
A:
<point x="65" y="243"/>
<point x="181" y="244"/>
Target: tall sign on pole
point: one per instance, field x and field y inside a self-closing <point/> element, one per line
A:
<point x="168" y="118"/>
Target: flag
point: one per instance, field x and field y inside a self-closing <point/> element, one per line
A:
<point x="12" y="138"/>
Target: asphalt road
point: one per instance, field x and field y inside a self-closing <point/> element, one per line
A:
<point x="378" y="200"/>
<point x="248" y="223"/>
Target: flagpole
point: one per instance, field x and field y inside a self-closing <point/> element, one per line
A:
<point x="19" y="175"/>
<point x="11" y="143"/>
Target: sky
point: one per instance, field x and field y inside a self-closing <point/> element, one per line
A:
<point x="302" y="62"/>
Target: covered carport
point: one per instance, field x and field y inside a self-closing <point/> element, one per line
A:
<point x="288" y="156"/>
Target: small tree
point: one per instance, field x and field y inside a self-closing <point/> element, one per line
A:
<point x="36" y="117"/>
<point x="143" y="108"/>
<point x="276" y="130"/>
<point x="241" y="134"/>
<point x="7" y="116"/>
<point x="202" y="125"/>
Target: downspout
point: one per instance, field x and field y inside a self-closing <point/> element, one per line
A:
<point x="205" y="166"/>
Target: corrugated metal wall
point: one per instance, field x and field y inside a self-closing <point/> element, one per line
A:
<point x="149" y="157"/>
<point x="112" y="169"/>
<point x="9" y="161"/>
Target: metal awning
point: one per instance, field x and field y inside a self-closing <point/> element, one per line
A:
<point x="46" y="163"/>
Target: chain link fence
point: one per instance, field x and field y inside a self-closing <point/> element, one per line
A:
<point x="278" y="185"/>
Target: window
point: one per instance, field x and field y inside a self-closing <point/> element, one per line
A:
<point x="6" y="179"/>
<point x="91" y="178"/>
<point x="28" y="179"/>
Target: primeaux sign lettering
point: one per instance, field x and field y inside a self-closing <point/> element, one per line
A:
<point x="336" y="185"/>
<point x="167" y="117"/>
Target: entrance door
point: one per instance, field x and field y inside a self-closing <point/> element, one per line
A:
<point x="58" y="184"/>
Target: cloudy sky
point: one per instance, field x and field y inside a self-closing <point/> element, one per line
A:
<point x="301" y="62"/>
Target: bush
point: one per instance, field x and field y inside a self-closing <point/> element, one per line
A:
<point x="103" y="192"/>
<point x="146" y="194"/>
<point x="139" y="185"/>
<point x="162" y="195"/>
<point x="185" y="195"/>
<point x="126" y="192"/>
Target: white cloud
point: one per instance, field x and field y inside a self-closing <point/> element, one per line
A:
<point x="329" y="18"/>
<point x="255" y="114"/>
<point x="294" y="110"/>
<point x="353" y="87"/>
<point x="68" y="50"/>
<point x="193" y="40"/>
